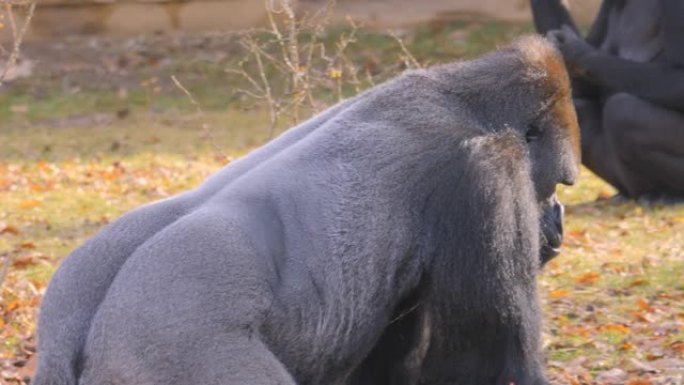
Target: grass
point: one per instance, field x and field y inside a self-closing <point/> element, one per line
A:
<point x="613" y="300"/>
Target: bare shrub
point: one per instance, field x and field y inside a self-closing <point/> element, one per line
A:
<point x="294" y="70"/>
<point x="8" y="60"/>
<point x="17" y="28"/>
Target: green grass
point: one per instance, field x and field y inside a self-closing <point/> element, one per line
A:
<point x="44" y="97"/>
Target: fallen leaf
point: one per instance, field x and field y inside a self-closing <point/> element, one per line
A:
<point x="643" y="305"/>
<point x="614" y="328"/>
<point x="677" y="346"/>
<point x="639" y="381"/>
<point x="27" y="245"/>
<point x="14" y="305"/>
<point x="603" y="195"/>
<point x="625" y="346"/>
<point x="560" y="293"/>
<point x="8" y="229"/>
<point x="587" y="278"/>
<point x="29" y="204"/>
<point x="638" y="282"/>
<point x="24" y="262"/>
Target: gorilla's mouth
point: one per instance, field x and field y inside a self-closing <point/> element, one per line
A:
<point x="552" y="232"/>
<point x="550" y="251"/>
<point x="550" y="247"/>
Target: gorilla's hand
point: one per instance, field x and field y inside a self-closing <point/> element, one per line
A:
<point x="551" y="230"/>
<point x="572" y="46"/>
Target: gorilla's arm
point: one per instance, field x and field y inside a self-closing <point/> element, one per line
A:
<point x="598" y="29"/>
<point x="549" y="15"/>
<point x="673" y="30"/>
<point x="497" y="260"/>
<point x="82" y="281"/>
<point x="660" y="83"/>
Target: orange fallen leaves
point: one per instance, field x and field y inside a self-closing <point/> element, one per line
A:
<point x="638" y="282"/>
<point x="560" y="293"/>
<point x="645" y="306"/>
<point x="614" y="267"/>
<point x="604" y="195"/>
<point x="578" y="376"/>
<point x="614" y="328"/>
<point x="626" y="346"/>
<point x="12" y="306"/>
<point x="677" y="346"/>
<point x="641" y="316"/>
<point x="29" y="204"/>
<point x="43" y="165"/>
<point x="587" y="278"/>
<point x="24" y="262"/>
<point x="577" y="237"/>
<point x="8" y="229"/>
<point x="639" y="381"/>
<point x="576" y="330"/>
<point x="27" y="245"/>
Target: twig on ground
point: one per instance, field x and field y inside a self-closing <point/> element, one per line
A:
<point x="5" y="262"/>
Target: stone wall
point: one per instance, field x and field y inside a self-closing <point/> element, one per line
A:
<point x="57" y="18"/>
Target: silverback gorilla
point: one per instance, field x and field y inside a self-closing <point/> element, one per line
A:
<point x="628" y="85"/>
<point x="393" y="239"/>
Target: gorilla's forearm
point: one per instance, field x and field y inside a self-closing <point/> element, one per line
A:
<point x="673" y="31"/>
<point x="600" y="26"/>
<point x="549" y="15"/>
<point x="659" y="83"/>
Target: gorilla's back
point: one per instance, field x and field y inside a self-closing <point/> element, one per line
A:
<point x="83" y="280"/>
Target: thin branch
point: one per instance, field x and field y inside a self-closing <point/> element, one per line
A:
<point x="205" y="126"/>
<point x="408" y="58"/>
<point x="17" y="37"/>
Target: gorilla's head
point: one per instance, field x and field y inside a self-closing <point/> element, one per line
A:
<point x="552" y="137"/>
<point x="532" y="103"/>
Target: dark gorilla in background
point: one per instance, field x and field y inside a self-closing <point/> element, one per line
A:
<point x="628" y="85"/>
<point x="394" y="238"/>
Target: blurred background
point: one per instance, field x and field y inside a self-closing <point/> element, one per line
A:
<point x="107" y="105"/>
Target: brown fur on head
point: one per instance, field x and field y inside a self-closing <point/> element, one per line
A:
<point x="547" y="67"/>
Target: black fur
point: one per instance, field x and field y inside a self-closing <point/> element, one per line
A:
<point x="628" y="86"/>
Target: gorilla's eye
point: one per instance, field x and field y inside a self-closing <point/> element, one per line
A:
<point x="533" y="133"/>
